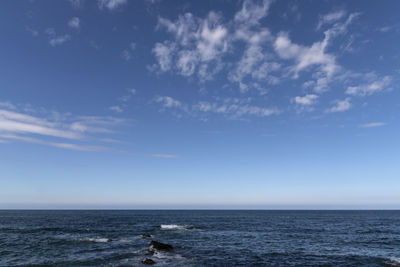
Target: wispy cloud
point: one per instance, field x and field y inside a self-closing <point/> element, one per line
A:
<point x="305" y="103"/>
<point x="54" y="128"/>
<point x="164" y="156"/>
<point x="306" y="100"/>
<point x="373" y="124"/>
<point x="306" y="57"/>
<point x="233" y="108"/>
<point x="331" y="18"/>
<point x="123" y="101"/>
<point x="54" y="39"/>
<point x="200" y="46"/>
<point x="127" y="53"/>
<point x="374" y="86"/>
<point x="340" y="105"/>
<point x="7" y="105"/>
<point x="168" y="102"/>
<point x="76" y="3"/>
<point x="197" y="46"/>
<point x="63" y="145"/>
<point x="251" y="13"/>
<point x="14" y="122"/>
<point x="164" y="55"/>
<point x="116" y="109"/>
<point x="74" y="23"/>
<point x="33" y="32"/>
<point x="111" y="4"/>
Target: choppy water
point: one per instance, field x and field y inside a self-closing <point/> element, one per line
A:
<point x="200" y="238"/>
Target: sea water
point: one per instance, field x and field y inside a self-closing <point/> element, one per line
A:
<point x="200" y="238"/>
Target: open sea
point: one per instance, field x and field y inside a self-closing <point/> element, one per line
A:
<point x="200" y="238"/>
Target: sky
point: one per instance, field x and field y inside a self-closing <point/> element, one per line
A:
<point x="199" y="104"/>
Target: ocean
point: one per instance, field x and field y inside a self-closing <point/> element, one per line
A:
<point x="199" y="238"/>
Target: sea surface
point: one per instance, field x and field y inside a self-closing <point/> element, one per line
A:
<point x="200" y="238"/>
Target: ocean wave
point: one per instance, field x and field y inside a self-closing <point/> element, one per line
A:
<point x="393" y="261"/>
<point x="74" y="238"/>
<point x="97" y="239"/>
<point x="176" y="227"/>
<point x="166" y="255"/>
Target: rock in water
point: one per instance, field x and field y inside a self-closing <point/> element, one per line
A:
<point x="145" y="236"/>
<point x="160" y="246"/>
<point x="148" y="261"/>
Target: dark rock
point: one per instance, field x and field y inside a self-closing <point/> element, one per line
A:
<point x="145" y="236"/>
<point x="109" y="240"/>
<point x="148" y="261"/>
<point x="160" y="246"/>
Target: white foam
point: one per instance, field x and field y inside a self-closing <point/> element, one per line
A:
<point x="394" y="261"/>
<point x="175" y="227"/>
<point x="161" y="255"/>
<point x="98" y="240"/>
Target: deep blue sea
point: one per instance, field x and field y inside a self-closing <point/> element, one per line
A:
<point x="200" y="238"/>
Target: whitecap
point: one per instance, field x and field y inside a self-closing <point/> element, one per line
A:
<point x="393" y="261"/>
<point x="97" y="240"/>
<point x="163" y="255"/>
<point x="175" y="227"/>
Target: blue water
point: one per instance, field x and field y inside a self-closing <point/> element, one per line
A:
<point x="200" y="238"/>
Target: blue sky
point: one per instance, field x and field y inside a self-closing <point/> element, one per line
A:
<point x="199" y="104"/>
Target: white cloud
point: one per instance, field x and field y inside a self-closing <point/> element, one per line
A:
<point x="21" y="126"/>
<point x="306" y="56"/>
<point x="212" y="38"/>
<point x="197" y="46"/>
<point x="234" y="108"/>
<point x="125" y="98"/>
<point x="58" y="40"/>
<point x="168" y="102"/>
<point x="13" y="122"/>
<point x="375" y="86"/>
<point x="7" y="105"/>
<point x="315" y="55"/>
<point x="74" y="23"/>
<point x="306" y="100"/>
<point x="373" y="124"/>
<point x="331" y="17"/>
<point x="55" y="39"/>
<point x="111" y="4"/>
<point x="255" y="64"/>
<point x="126" y="55"/>
<point x="32" y="31"/>
<point x="76" y="3"/>
<point x="68" y="146"/>
<point x="251" y="13"/>
<point x="340" y="105"/>
<point x="164" y="52"/>
<point x="116" y="109"/>
<point x="164" y="156"/>
<point x="253" y="71"/>
<point x="187" y="62"/>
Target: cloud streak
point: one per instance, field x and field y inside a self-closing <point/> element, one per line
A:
<point x="373" y="124"/>
<point x="55" y="129"/>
